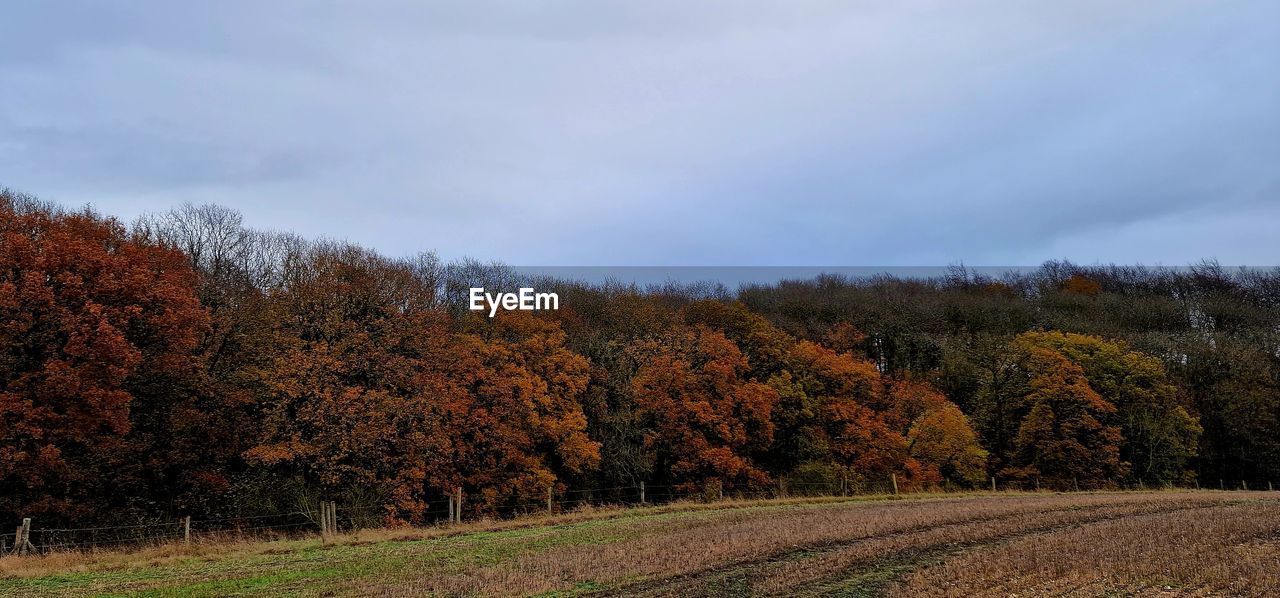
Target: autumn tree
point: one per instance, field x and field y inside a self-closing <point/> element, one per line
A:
<point x="1160" y="435"/>
<point x="350" y="403"/>
<point x="239" y="273"/>
<point x="1081" y="285"/>
<point x="1060" y="430"/>
<point x="190" y="364"/>
<point x="943" y="438"/>
<point x="96" y="329"/>
<point x="706" y="423"/>
<point x="519" y="428"/>
<point x="376" y="386"/>
<point x="939" y="435"/>
<point x="765" y="346"/>
<point x="834" y="406"/>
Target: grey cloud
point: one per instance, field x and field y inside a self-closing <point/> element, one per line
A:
<point x="727" y="132"/>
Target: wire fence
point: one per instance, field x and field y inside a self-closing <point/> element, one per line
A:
<point x="305" y="522"/>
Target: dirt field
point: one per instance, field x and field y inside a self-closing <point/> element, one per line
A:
<point x="1158" y="543"/>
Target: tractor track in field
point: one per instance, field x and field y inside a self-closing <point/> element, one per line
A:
<point x="880" y="573"/>
<point x="863" y="577"/>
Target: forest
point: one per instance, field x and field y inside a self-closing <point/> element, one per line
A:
<point x="188" y="363"/>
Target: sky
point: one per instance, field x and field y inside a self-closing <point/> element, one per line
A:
<point x="668" y="133"/>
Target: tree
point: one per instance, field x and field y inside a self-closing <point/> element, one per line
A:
<point x="841" y="416"/>
<point x="1160" y="435"/>
<point x="352" y="403"/>
<point x="1061" y="436"/>
<point x="943" y="438"/>
<point x="939" y="434"/>
<point x="521" y="428"/>
<point x="93" y="324"/>
<point x="376" y="386"/>
<point x="1081" y="285"/>
<point x="705" y="421"/>
<point x="240" y="272"/>
<point x="765" y="346"/>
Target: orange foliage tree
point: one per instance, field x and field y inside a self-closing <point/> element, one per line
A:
<point x="520" y="428"/>
<point x="835" y="408"/>
<point x="706" y="423"/>
<point x="1062" y="435"/>
<point x="939" y="434"/>
<point x="92" y="325"/>
<point x="1160" y="435"/>
<point x="839" y="420"/>
<point x="376" y="388"/>
<point x="350" y="405"/>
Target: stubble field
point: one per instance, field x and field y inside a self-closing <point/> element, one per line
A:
<point x="1196" y="543"/>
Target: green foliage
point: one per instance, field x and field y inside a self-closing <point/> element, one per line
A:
<point x="1160" y="435"/>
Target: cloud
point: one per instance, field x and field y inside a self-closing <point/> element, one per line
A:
<point x="575" y="132"/>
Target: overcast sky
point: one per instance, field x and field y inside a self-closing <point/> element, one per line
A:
<point x="664" y="132"/>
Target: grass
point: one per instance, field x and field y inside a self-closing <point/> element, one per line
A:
<point x="947" y="545"/>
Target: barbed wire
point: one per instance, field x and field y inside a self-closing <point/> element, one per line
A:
<point x="111" y="527"/>
<point x="248" y="517"/>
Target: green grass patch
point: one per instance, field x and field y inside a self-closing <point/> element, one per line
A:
<point x="309" y="567"/>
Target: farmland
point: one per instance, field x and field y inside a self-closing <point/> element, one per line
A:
<point x="1171" y="542"/>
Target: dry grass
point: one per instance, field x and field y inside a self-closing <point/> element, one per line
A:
<point x="1229" y="550"/>
<point x="230" y="546"/>
<point x="1026" y="543"/>
<point x="829" y="570"/>
<point x="697" y="558"/>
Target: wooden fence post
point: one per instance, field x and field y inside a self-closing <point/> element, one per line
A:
<point x="186" y="529"/>
<point x="641" y="491"/>
<point x="459" y="501"/>
<point x="333" y="516"/>
<point x="1244" y="484"/>
<point x="550" y="492"/>
<point x="324" y="520"/>
<point x="893" y="477"/>
<point x="1269" y="488"/>
<point x="450" y="507"/>
<point x="993" y="483"/>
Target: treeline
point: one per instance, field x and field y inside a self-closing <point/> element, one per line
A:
<point x="188" y="364"/>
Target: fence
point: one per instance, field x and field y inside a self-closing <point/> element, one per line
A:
<point x="329" y="519"/>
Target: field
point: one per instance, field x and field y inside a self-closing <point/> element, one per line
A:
<point x="1086" y="544"/>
